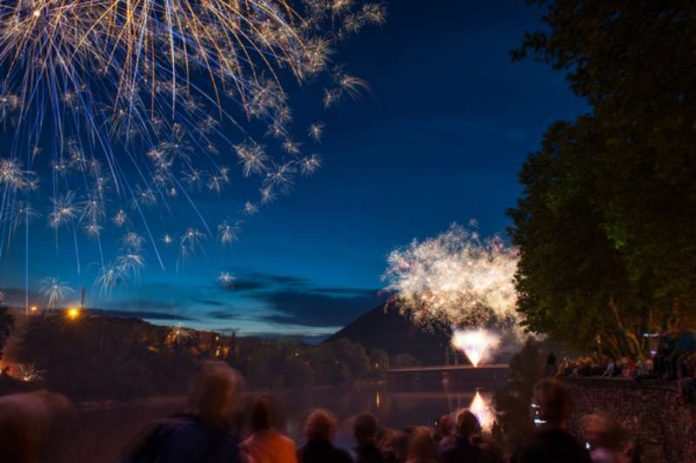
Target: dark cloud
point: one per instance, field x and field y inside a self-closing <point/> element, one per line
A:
<point x="281" y="280"/>
<point x="365" y="292"/>
<point x="142" y="314"/>
<point x="152" y="305"/>
<point x="258" y="281"/>
<point x="247" y="284"/>
<point x="315" y="308"/>
<point x="306" y="338"/>
<point x="222" y="315"/>
<point x="211" y="302"/>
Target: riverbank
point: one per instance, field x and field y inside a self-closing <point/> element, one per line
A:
<point x="648" y="412"/>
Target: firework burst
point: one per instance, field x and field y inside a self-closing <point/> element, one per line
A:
<point x="126" y="105"/>
<point x="55" y="291"/>
<point x="455" y="279"/>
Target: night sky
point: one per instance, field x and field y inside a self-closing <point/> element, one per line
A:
<point x="439" y="138"/>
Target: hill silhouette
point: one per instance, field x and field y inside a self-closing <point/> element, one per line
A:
<point x="385" y="328"/>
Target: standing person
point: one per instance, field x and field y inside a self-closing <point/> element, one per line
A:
<point x="443" y="433"/>
<point x="365" y="432"/>
<point x="551" y="365"/>
<point x="422" y="447"/>
<point x="320" y="428"/>
<point x="551" y="443"/>
<point x="266" y="444"/>
<point x="464" y="450"/>
<point x="204" y="434"/>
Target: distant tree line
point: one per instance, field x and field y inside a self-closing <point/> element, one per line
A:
<point x="97" y="357"/>
<point x="607" y="219"/>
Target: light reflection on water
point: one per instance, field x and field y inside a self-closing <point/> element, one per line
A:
<point x="102" y="432"/>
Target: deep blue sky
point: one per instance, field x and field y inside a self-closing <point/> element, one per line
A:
<point x="439" y="138"/>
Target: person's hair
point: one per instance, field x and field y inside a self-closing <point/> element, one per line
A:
<point x="467" y="424"/>
<point x="262" y="417"/>
<point x="554" y="401"/>
<point x="213" y="392"/>
<point x="320" y="424"/>
<point x="444" y="424"/>
<point x="393" y="444"/>
<point x="365" y="426"/>
<point x="421" y="445"/>
<point x="600" y="430"/>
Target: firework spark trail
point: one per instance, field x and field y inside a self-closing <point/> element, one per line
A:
<point x="134" y="98"/>
<point x="455" y="278"/>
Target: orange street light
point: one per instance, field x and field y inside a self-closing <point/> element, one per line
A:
<point x="73" y="313"/>
<point x="34" y="309"/>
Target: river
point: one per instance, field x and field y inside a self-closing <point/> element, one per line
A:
<point x="102" y="430"/>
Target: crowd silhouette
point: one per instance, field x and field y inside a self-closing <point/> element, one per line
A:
<point x="218" y="429"/>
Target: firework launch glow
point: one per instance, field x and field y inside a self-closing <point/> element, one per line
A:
<point x="124" y="106"/>
<point x="476" y="344"/>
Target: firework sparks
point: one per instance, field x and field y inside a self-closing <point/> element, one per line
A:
<point x="226" y="280"/>
<point x="227" y="233"/>
<point x="28" y="372"/>
<point x="476" y="344"/>
<point x="162" y="84"/>
<point x="179" y="335"/>
<point x="455" y="279"/>
<point x="54" y="291"/>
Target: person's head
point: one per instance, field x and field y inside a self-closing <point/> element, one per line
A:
<point x="552" y="403"/>
<point x="320" y="425"/>
<point x="467" y="424"/>
<point x="421" y="445"/>
<point x="444" y="425"/>
<point x="33" y="426"/>
<point x="601" y="431"/>
<point x="262" y="416"/>
<point x="393" y="444"/>
<point x="214" y="391"/>
<point x="365" y="428"/>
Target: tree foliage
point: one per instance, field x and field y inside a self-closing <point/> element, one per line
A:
<point x="6" y="325"/>
<point x="606" y="221"/>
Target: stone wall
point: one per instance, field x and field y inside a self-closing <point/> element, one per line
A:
<point x="648" y="413"/>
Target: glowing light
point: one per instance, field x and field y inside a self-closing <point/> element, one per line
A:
<point x="34" y="308"/>
<point x="73" y="313"/>
<point x="476" y="344"/>
<point x="179" y="335"/>
<point x="483" y="412"/>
